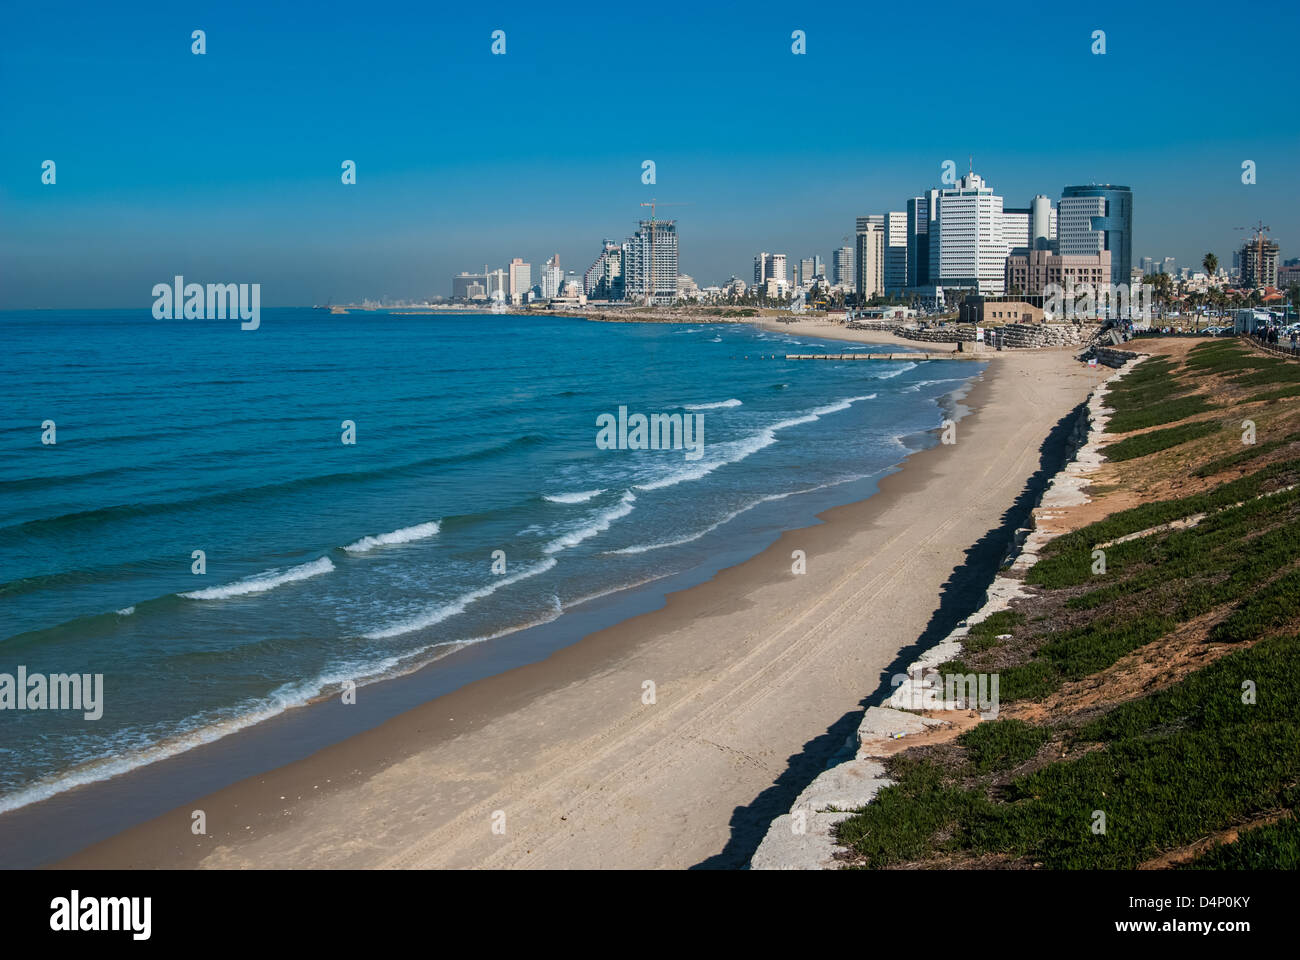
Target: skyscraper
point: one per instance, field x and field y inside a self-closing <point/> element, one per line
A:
<point x="770" y="266"/>
<point x="807" y="270"/>
<point x="920" y="215"/>
<point x="1042" y="223"/>
<point x="1017" y="227"/>
<point x="869" y="277"/>
<point x="895" y="251"/>
<point x="650" y="263"/>
<point x="842" y="267"/>
<point x="1098" y="217"/>
<point x="604" y="278"/>
<point x="552" y="277"/>
<point x="521" y="278"/>
<point x="1259" y="263"/>
<point x="967" y="233"/>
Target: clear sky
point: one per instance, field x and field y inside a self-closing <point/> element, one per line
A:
<point x="226" y="167"/>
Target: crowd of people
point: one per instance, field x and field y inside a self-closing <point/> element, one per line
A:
<point x="1273" y="335"/>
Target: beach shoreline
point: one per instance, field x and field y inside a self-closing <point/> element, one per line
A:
<point x="755" y="672"/>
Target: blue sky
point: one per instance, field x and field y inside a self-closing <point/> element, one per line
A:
<point x="225" y="167"/>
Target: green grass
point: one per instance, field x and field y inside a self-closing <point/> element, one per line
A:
<point x="1285" y="371"/>
<point x="1282" y="394"/>
<point x="1070" y="655"/>
<point x="1067" y="560"/>
<point x="985" y="633"/>
<point x="1172" y="767"/>
<point x="1268" y="608"/>
<point x="1166" y="768"/>
<point x="1140" y="415"/>
<point x="1147" y="443"/>
<point x="1272" y="847"/>
<point x="1002" y="744"/>
<point x="1249" y="452"/>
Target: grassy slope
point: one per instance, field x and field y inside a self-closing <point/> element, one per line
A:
<point x="1170" y="755"/>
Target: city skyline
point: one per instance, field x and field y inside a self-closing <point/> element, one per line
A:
<point x="209" y="176"/>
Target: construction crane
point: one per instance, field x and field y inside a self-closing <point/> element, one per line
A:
<point x="650" y="285"/>
<point x="1260" y="229"/>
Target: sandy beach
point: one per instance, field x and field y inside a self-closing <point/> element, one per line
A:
<point x="758" y="674"/>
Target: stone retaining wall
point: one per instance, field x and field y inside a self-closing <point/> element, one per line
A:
<point x="803" y="839"/>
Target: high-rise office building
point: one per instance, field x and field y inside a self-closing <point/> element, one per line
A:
<point x="650" y="263"/>
<point x="521" y="278"/>
<point x="842" y="267"/>
<point x="869" y="276"/>
<point x="972" y="250"/>
<point x="552" y="278"/>
<point x="807" y="270"/>
<point x="895" y="251"/>
<point x="770" y="266"/>
<point x="1169" y="266"/>
<point x="920" y="215"/>
<point x="1017" y="228"/>
<point x="1098" y="217"/>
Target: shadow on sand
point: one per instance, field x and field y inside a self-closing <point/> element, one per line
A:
<point x="962" y="594"/>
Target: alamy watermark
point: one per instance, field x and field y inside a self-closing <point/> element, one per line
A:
<point x="58" y="691"/>
<point x="930" y="690"/>
<point x="1091" y="302"/>
<point x="215" y="301"/>
<point x="658" y="431"/>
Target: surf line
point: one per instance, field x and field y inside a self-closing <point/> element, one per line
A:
<point x="658" y="431"/>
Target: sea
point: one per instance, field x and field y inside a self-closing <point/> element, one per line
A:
<point x="229" y="524"/>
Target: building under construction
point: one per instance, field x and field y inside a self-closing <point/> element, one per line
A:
<point x="650" y="263"/>
<point x="1259" y="262"/>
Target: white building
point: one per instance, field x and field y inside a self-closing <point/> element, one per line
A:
<point x="972" y="249"/>
<point x="869" y="278"/>
<point x="895" y="251"/>
<point x="1042" y="222"/>
<point x="842" y="268"/>
<point x="521" y="278"/>
<point x="552" y="278"/>
<point x="1017" y="228"/>
<point x="770" y="266"/>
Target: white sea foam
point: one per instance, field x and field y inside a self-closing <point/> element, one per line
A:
<point x="580" y="497"/>
<point x="734" y="451"/>
<point x="915" y="387"/>
<point x="126" y="611"/>
<point x="263" y="582"/>
<point x="890" y="374"/>
<point x="690" y="538"/>
<point x="596" y="525"/>
<point x="209" y="729"/>
<point x="712" y="406"/>
<point x="446" y="610"/>
<point x="421" y="531"/>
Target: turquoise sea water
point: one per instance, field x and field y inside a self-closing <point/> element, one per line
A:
<point x="329" y="562"/>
